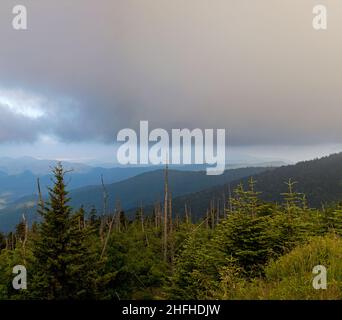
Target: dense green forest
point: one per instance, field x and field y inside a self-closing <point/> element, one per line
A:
<point x="253" y="249"/>
<point x="319" y="179"/>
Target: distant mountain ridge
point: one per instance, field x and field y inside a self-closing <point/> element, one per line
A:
<point x="319" y="179"/>
<point x="149" y="187"/>
<point x="18" y="177"/>
<point x="145" y="188"/>
<point x="15" y="166"/>
<point x="16" y="186"/>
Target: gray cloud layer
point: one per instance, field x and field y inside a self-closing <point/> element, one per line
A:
<point x="17" y="128"/>
<point x="256" y="68"/>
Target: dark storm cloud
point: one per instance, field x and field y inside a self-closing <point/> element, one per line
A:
<point x="256" y="68"/>
<point x="15" y="127"/>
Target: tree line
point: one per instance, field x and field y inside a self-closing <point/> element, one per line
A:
<point x="254" y="250"/>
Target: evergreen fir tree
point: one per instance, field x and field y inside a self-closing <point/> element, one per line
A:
<point x="61" y="265"/>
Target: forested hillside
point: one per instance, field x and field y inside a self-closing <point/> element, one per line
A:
<point x="143" y="189"/>
<point x="253" y="250"/>
<point x="320" y="180"/>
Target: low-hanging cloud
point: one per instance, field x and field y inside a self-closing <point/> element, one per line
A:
<point x="257" y="69"/>
<point x="16" y="127"/>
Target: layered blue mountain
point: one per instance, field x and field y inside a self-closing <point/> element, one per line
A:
<point x="142" y="189"/>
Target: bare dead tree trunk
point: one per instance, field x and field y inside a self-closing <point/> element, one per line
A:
<point x="171" y="229"/>
<point x="170" y="213"/>
<point x="186" y="214"/>
<point x="166" y="202"/>
<point x="107" y="237"/>
<point x="142" y="225"/>
<point x="25" y="237"/>
<point x="104" y="212"/>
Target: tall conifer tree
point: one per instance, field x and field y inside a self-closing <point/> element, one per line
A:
<point x="62" y="260"/>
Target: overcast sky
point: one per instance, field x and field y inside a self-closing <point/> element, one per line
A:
<point x="86" y="69"/>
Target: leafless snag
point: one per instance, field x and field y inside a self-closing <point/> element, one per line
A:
<point x="104" y="212"/>
<point x="166" y="202"/>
